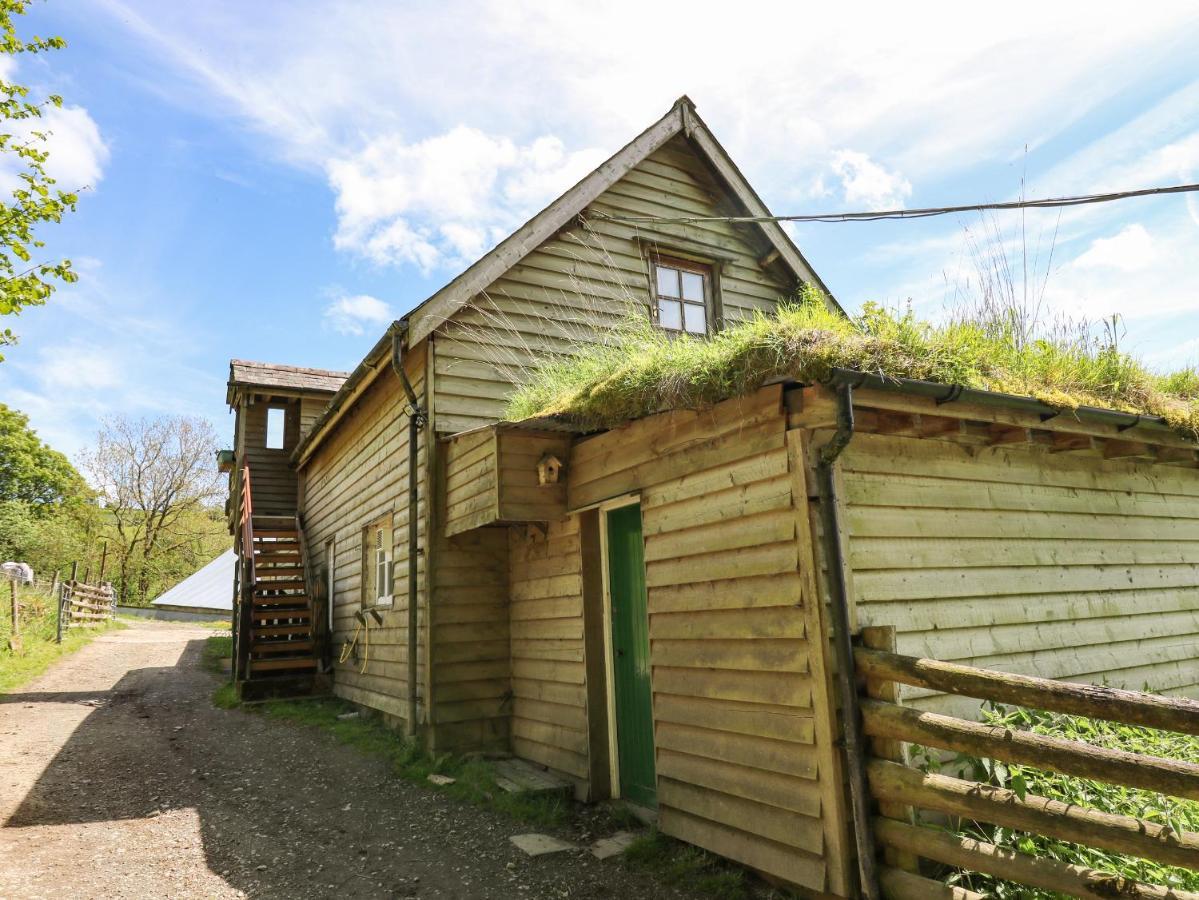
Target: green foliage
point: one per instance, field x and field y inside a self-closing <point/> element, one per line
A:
<point x="30" y="470"/>
<point x="685" y="866"/>
<point x="641" y="369"/>
<point x="1179" y="815"/>
<point x="36" y="199"/>
<point x="39" y="626"/>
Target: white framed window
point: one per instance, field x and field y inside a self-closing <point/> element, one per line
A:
<point x="683" y="296"/>
<point x="378" y="573"/>
<point x="276" y="425"/>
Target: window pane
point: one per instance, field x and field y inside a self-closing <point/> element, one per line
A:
<point x="693" y="286"/>
<point x="669" y="315"/>
<point x="275" y="418"/>
<point x="668" y="282"/>
<point x="696" y="318"/>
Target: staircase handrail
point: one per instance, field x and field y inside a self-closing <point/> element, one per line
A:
<point x="248" y="575"/>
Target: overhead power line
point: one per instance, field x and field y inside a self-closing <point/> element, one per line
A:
<point x="1044" y="203"/>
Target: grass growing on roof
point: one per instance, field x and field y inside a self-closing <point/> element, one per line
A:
<point x="641" y="369"/>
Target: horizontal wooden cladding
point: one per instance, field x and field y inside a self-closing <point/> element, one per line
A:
<point x="780" y="860"/>
<point x="492" y="476"/>
<point x="357" y="476"/>
<point x="471" y="464"/>
<point x="471" y="666"/>
<point x="549" y="719"/>
<point x="664" y="447"/>
<point x="585" y="279"/>
<point x="1026" y="561"/>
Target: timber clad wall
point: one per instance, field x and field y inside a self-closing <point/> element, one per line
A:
<point x="359" y="475"/>
<point x="272" y="478"/>
<point x="738" y="769"/>
<point x="589" y="276"/>
<point x="1020" y="560"/>
<point x="549" y="708"/>
<point x="471" y="668"/>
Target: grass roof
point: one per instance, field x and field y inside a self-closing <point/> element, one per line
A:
<point x="642" y="370"/>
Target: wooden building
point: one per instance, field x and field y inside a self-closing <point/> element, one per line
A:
<point x="642" y="611"/>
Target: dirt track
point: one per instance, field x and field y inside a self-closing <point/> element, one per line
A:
<point x="118" y="778"/>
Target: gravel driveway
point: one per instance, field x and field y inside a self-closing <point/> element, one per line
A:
<point x="118" y="778"/>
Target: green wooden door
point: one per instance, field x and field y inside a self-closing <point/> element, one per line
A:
<point x="630" y="656"/>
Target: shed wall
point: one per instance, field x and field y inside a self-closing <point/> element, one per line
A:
<point x="357" y="476"/>
<point x="590" y="276"/>
<point x="1026" y="561"/>
<point x="737" y="762"/>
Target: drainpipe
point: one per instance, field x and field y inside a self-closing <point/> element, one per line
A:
<point x="417" y="418"/>
<point x="842" y="639"/>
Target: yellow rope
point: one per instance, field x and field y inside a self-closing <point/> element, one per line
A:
<point x="347" y="647"/>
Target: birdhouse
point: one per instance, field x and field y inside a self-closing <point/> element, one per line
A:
<point x="549" y="469"/>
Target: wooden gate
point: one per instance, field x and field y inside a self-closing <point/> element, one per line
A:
<point x="83" y="605"/>
<point x="901" y="791"/>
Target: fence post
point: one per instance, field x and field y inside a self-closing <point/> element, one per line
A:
<point x="14" y="641"/>
<point x="62" y="593"/>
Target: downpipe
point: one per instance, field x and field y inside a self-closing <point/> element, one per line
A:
<point x="851" y="713"/>
<point x="417" y="419"/>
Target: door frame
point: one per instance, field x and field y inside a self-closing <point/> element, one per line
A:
<point x="609" y="661"/>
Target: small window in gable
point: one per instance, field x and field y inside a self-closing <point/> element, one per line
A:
<point x="683" y="296"/>
<point x="276" y="419"/>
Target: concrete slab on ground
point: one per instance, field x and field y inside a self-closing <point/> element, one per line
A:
<point x="540" y="844"/>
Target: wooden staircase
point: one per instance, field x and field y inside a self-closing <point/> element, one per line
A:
<point x="282" y="638"/>
<point x="277" y="634"/>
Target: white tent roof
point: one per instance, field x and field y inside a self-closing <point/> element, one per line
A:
<point x="208" y="588"/>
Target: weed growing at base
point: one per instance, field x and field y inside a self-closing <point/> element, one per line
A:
<point x="1179" y="815"/>
<point x="683" y="865"/>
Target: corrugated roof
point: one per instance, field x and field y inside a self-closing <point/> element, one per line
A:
<point x="291" y="378"/>
<point x="210" y="587"/>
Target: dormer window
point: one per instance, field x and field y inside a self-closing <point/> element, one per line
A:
<point x="683" y="296"/>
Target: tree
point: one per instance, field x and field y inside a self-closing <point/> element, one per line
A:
<point x="35" y="199"/>
<point x="30" y="471"/>
<point x="158" y="481"/>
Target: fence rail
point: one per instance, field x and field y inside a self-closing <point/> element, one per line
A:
<point x="83" y="605"/>
<point x="901" y="790"/>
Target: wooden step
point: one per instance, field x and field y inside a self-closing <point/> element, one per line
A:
<point x="300" y="646"/>
<point x="261" y="665"/>
<point x="275" y="521"/>
<point x="266" y="631"/>
<point x="269" y="615"/>
<point x="262" y="571"/>
<point x="277" y="535"/>
<point x="282" y="584"/>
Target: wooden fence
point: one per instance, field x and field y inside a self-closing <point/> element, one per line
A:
<point x="83" y="605"/>
<point x="900" y="790"/>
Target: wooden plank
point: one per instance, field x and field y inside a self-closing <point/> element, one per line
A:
<point x="784" y="757"/>
<point x="1052" y="818"/>
<point x="1010" y="865"/>
<point x="779" y="723"/>
<point x="779" y="825"/>
<point x="1119" y="767"/>
<point x="1095" y="701"/>
<point x="900" y="885"/>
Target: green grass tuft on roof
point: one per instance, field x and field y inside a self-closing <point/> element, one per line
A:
<point x="641" y="369"/>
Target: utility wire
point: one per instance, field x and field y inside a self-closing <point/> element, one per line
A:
<point x="1044" y="203"/>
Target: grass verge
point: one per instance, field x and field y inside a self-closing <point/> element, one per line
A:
<point x="39" y="650"/>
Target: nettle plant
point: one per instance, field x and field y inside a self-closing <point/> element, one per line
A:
<point x="1176" y="814"/>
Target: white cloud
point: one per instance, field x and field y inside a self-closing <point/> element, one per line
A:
<point x="352" y="314"/>
<point x="440" y="201"/>
<point x="77" y="150"/>
<point x="1131" y="250"/>
<point x="864" y="183"/>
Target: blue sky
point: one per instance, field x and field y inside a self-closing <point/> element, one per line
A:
<point x="278" y="180"/>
